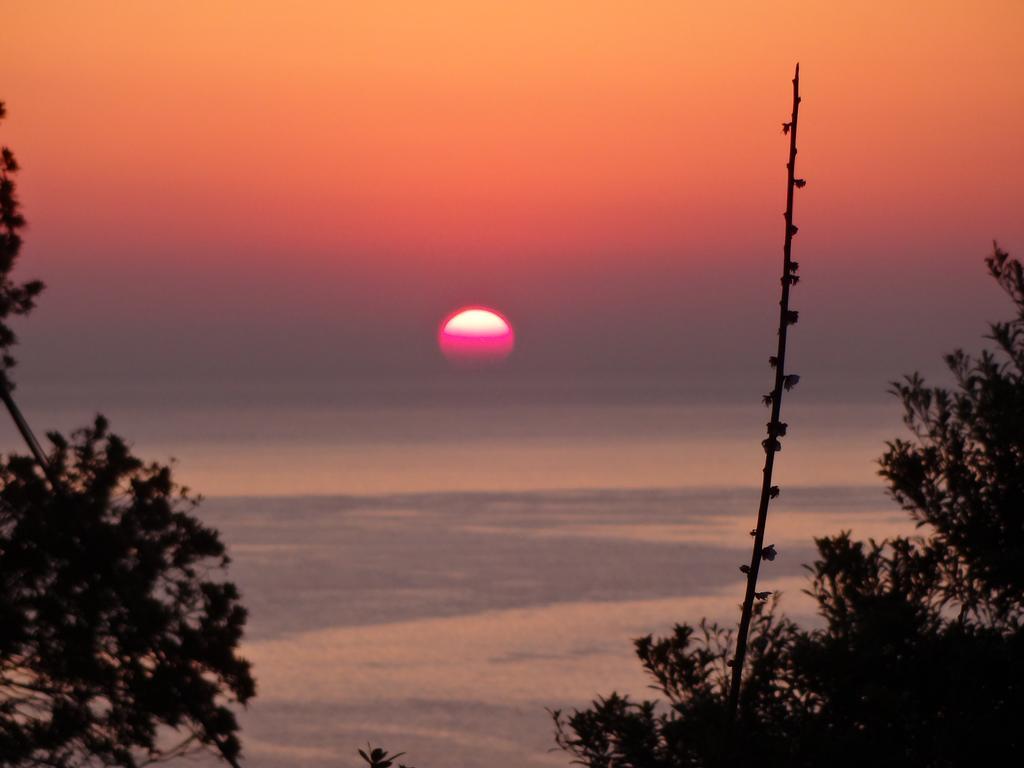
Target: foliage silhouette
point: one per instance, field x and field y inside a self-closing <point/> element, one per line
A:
<point x="920" y="659"/>
<point x="15" y="298"/>
<point x="118" y="636"/>
<point x="375" y="757"/>
<point x="110" y="625"/>
<point x="963" y="474"/>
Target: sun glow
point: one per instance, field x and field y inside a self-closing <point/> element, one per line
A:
<point x="475" y="335"/>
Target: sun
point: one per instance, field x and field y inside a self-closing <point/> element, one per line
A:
<point x="475" y="335"/>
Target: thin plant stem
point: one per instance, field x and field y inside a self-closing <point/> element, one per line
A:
<point x="776" y="429"/>
<point x="27" y="435"/>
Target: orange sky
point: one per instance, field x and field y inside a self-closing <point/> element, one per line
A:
<point x="596" y="168"/>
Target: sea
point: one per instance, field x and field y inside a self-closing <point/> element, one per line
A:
<point x="437" y="580"/>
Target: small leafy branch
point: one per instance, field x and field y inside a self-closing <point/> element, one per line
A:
<point x="376" y="757"/>
<point x="784" y="382"/>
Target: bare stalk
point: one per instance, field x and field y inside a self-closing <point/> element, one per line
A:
<point x="776" y="429"/>
<point x="27" y="435"/>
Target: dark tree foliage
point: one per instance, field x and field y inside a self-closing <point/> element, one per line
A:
<point x="118" y="634"/>
<point x="963" y="473"/>
<point x="690" y="667"/>
<point x="920" y="657"/>
<point x="15" y="298"/>
<point x="113" y="629"/>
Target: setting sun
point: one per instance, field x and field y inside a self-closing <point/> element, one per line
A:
<point x="476" y="335"/>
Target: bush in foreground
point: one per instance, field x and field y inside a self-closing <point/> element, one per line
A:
<point x="920" y="661"/>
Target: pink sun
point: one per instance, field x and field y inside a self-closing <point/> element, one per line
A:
<point x="475" y="335"/>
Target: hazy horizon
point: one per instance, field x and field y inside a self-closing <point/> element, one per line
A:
<point x="281" y="207"/>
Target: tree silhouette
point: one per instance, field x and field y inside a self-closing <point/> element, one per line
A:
<point x="15" y="298"/>
<point x="963" y="474"/>
<point x="111" y="625"/>
<point x="118" y="634"/>
<point x="920" y="659"/>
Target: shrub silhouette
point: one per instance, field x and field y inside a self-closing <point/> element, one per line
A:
<point x="963" y="475"/>
<point x="15" y="298"/>
<point x="118" y="636"/>
<point x="920" y="661"/>
<point x="112" y="628"/>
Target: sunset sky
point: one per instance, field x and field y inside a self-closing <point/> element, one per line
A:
<point x="456" y="317"/>
<point x="287" y="198"/>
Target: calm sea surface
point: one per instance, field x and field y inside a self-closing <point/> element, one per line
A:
<point x="443" y="624"/>
<point x="432" y="578"/>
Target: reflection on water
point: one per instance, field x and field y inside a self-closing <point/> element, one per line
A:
<point x="444" y="623"/>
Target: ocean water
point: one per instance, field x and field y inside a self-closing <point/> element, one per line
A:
<point x="266" y="448"/>
<point x="444" y="624"/>
<point x="431" y="578"/>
